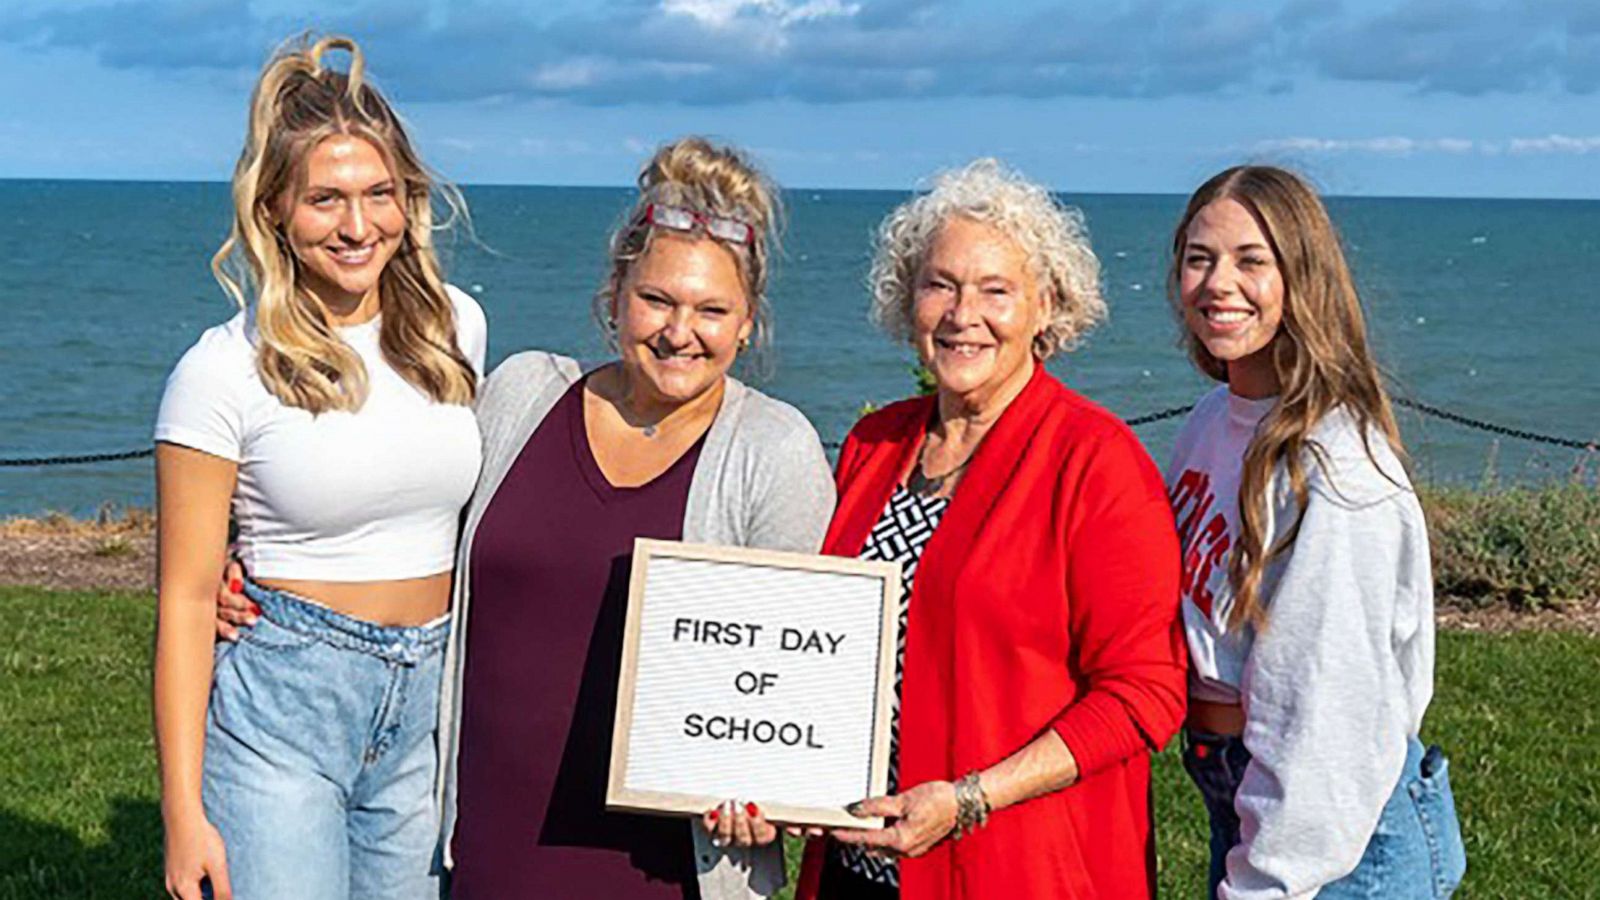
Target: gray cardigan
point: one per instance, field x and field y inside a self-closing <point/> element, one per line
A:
<point x="761" y="481"/>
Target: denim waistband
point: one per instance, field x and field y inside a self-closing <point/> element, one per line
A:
<point x="1419" y="759"/>
<point x="405" y="644"/>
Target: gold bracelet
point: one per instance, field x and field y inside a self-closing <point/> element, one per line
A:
<point x="972" y="805"/>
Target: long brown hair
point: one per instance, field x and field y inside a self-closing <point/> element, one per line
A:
<point x="1320" y="354"/>
<point x="298" y="102"/>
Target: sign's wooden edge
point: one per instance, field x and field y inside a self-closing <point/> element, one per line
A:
<point x="888" y="628"/>
<point x="620" y="797"/>
<point x="622" y="723"/>
<point x="661" y="802"/>
<point x="781" y="559"/>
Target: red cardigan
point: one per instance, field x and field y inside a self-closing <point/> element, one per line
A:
<point x="1047" y="598"/>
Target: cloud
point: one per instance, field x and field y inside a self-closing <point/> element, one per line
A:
<point x="1406" y="146"/>
<point x="715" y="52"/>
<point x="1465" y="47"/>
<point x="721" y="13"/>
<point x="1554" y="143"/>
<point x="1386" y="146"/>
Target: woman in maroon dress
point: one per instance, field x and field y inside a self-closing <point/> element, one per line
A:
<point x="663" y="443"/>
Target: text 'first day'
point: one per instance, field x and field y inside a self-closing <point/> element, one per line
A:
<point x="753" y="634"/>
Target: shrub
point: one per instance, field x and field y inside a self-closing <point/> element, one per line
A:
<point x="114" y="547"/>
<point x="1530" y="546"/>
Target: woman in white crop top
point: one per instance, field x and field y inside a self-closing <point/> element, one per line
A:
<point x="1307" y="588"/>
<point x="333" y="418"/>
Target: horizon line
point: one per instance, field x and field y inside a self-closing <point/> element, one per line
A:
<point x="805" y="188"/>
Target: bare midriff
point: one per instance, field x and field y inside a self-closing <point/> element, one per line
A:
<point x="406" y="601"/>
<point x="1215" y="718"/>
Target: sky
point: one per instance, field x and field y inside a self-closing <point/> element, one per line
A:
<point x="1398" y="98"/>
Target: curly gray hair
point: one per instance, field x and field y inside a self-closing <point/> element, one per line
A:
<point x="1053" y="236"/>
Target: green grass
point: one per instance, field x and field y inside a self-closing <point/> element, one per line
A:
<point x="78" y="798"/>
<point x="78" y="805"/>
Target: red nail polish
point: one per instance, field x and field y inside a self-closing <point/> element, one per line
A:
<point x="751" y="810"/>
<point x="255" y="610"/>
<point x="236" y="585"/>
<point x="715" y="815"/>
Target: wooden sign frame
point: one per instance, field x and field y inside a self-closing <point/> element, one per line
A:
<point x="620" y="796"/>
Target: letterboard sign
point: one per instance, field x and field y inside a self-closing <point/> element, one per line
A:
<point x="758" y="675"/>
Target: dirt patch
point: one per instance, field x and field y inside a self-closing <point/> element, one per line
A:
<point x="1582" y="617"/>
<point x="118" y="552"/>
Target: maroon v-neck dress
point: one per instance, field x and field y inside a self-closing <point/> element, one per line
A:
<point x="549" y="572"/>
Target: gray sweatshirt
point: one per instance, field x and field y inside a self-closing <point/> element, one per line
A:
<point x="1339" y="677"/>
<point x="762" y="480"/>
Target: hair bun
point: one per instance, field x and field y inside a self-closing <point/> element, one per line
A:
<point x="713" y="178"/>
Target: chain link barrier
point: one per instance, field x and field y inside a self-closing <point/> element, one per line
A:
<point x="1532" y="436"/>
<point x="1146" y="419"/>
<point x="77" y="460"/>
<point x="1172" y="413"/>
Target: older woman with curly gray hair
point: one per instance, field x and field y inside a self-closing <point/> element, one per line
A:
<point x="1053" y="238"/>
<point x="1042" y="656"/>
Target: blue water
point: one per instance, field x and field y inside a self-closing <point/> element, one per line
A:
<point x="1489" y="308"/>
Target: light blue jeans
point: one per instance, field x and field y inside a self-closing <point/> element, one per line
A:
<point x="320" y="754"/>
<point x="1415" y="852"/>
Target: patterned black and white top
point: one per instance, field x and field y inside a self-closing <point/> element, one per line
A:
<point x="908" y="521"/>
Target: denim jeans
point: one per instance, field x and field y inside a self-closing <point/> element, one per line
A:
<point x="1415" y="852"/>
<point x="320" y="754"/>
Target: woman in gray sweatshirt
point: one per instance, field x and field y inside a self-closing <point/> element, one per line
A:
<point x="1307" y="587"/>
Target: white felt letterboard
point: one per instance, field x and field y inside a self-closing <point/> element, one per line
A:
<point x="757" y="675"/>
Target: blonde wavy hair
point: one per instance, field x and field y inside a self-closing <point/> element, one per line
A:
<point x="716" y="181"/>
<point x="298" y="102"/>
<point x="1053" y="236"/>
<point x="1321" y="356"/>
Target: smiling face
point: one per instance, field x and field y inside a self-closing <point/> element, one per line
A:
<point x="1232" y="291"/>
<point x="681" y="313"/>
<point x="344" y="221"/>
<point x="975" y="310"/>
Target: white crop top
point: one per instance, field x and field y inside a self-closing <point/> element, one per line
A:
<point x="371" y="495"/>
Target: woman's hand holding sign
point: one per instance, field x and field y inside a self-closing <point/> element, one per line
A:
<point x="737" y="823"/>
<point x="934" y="810"/>
<point x="923" y="816"/>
